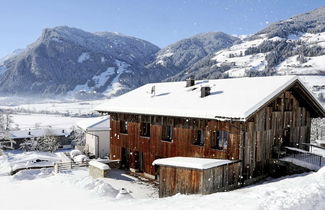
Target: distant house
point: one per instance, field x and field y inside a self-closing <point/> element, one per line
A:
<point x="221" y="132"/>
<point x="19" y="136"/>
<point x="97" y="135"/>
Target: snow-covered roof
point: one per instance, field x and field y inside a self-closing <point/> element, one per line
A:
<point x="21" y="134"/>
<point x="235" y="98"/>
<point x="95" y="123"/>
<point x="191" y="162"/>
<point x="99" y="165"/>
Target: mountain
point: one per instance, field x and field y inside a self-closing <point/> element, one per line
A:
<point x="293" y="46"/>
<point x="184" y="53"/>
<point x="70" y="60"/>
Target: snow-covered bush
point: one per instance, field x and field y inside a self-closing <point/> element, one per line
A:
<point x="80" y="158"/>
<point x="28" y="145"/>
<point x="45" y="144"/>
<point x="77" y="137"/>
<point x="74" y="153"/>
<point x="50" y="143"/>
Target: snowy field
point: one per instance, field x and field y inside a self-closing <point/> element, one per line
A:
<point x="76" y="190"/>
<point x="26" y="121"/>
<point x="50" y="107"/>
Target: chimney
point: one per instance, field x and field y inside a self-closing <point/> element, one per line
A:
<point x="205" y="91"/>
<point x="190" y="82"/>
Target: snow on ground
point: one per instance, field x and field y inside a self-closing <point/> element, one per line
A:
<point x="240" y="63"/>
<point x="83" y="57"/>
<point x="26" y="121"/>
<point x="318" y="151"/>
<point x="56" y="107"/>
<point x="235" y="56"/>
<point x="76" y="190"/>
<point x="314" y="65"/>
<point x="17" y="159"/>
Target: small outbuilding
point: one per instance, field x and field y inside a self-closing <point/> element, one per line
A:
<point x="97" y="135"/>
<point x="188" y="175"/>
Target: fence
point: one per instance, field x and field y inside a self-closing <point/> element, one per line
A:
<point x="65" y="166"/>
<point x="304" y="158"/>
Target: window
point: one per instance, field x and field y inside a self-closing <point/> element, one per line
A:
<point x="167" y="133"/>
<point x="199" y="138"/>
<point x="220" y="140"/>
<point x="145" y="129"/>
<point x="123" y="126"/>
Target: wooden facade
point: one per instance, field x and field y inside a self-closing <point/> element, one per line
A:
<point x="175" y="180"/>
<point x="285" y="120"/>
<point x="182" y="143"/>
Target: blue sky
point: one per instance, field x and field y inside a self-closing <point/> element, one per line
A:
<point x="161" y="22"/>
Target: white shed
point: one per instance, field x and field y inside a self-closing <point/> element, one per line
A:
<point x="97" y="135"/>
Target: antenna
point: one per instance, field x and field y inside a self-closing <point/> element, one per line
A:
<point x="153" y="90"/>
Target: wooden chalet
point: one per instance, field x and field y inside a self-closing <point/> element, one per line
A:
<point x="246" y="121"/>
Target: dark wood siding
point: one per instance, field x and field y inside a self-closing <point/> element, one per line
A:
<point x="182" y="141"/>
<point x="284" y="122"/>
<point x="175" y="180"/>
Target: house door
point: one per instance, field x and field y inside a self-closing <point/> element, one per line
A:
<point x="286" y="137"/>
<point x="125" y="158"/>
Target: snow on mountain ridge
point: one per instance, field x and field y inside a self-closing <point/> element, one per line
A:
<point x="112" y="75"/>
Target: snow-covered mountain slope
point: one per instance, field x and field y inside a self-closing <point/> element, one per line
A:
<point x="65" y="59"/>
<point x="293" y="46"/>
<point x="111" y="74"/>
<point x="87" y="65"/>
<point x="186" y="52"/>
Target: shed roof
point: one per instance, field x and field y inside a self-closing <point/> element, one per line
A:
<point x="95" y="123"/>
<point x="235" y="98"/>
<point x="191" y="162"/>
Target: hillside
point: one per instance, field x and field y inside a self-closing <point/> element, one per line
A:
<point x="293" y="46"/>
<point x="186" y="52"/>
<point x="73" y="62"/>
<point x="67" y="59"/>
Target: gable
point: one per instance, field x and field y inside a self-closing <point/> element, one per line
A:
<point x="302" y="95"/>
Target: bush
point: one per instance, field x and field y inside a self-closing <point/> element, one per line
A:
<point x="44" y="144"/>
